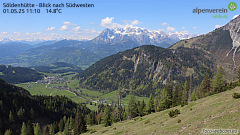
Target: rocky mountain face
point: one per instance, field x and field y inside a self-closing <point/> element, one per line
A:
<point x="140" y="36"/>
<point x="222" y="44"/>
<point x="145" y="69"/>
<point x="234" y="29"/>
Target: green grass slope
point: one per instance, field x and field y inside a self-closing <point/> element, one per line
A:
<point x="220" y="111"/>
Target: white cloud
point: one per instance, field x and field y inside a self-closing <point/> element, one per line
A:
<point x="50" y="28"/>
<point x="170" y="29"/>
<point x="235" y="16"/>
<point x="77" y="28"/>
<point x="165" y="24"/>
<point x="131" y="23"/>
<point x="218" y="26"/>
<point x="195" y="27"/>
<point x="184" y="31"/>
<point x="183" y="27"/>
<point x="4" y="33"/>
<point x="135" y="22"/>
<point x="63" y="28"/>
<point x="69" y="24"/>
<point x="108" y="23"/>
<point x="17" y="36"/>
<point x="160" y="29"/>
<point x="16" y="33"/>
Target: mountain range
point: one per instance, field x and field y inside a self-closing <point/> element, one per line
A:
<point x="146" y="68"/>
<point x="13" y="49"/>
<point x="140" y="36"/>
<point x="109" y="42"/>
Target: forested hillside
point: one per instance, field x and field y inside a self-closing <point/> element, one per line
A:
<point x="58" y="67"/>
<point x="19" y="74"/>
<point x="146" y="69"/>
<point x="18" y="106"/>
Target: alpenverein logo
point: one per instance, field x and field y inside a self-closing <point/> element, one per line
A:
<point x="232" y="6"/>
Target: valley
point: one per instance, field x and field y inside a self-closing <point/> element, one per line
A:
<point x="68" y="86"/>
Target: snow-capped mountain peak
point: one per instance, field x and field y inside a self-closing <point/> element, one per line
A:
<point x="141" y="36"/>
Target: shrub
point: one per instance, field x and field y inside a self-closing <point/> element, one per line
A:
<point x="174" y="113"/>
<point x="236" y="95"/>
<point x="147" y="121"/>
<point x="179" y="121"/>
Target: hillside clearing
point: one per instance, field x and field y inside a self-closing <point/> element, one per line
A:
<point x="220" y="111"/>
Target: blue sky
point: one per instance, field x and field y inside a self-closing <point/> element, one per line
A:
<point x="78" y="23"/>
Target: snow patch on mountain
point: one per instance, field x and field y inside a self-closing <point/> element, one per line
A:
<point x="141" y="36"/>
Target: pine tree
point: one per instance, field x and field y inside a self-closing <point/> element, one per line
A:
<point x="1" y="105"/>
<point x="169" y="89"/>
<point x="66" y="128"/>
<point x="55" y="126"/>
<point x="150" y="106"/>
<point x="193" y="96"/>
<point x="142" y="108"/>
<point x="30" y="130"/>
<point x="186" y="88"/>
<point x="32" y="113"/>
<point x="177" y="95"/>
<point x="71" y="123"/>
<point x="124" y="113"/>
<point x="93" y="117"/>
<point x="8" y="132"/>
<point x="206" y="84"/>
<point x="51" y="130"/>
<point x="219" y="80"/>
<point x="238" y="75"/>
<point x="24" y="129"/>
<point x="61" y="125"/>
<point x="106" y="119"/>
<point x="83" y="126"/>
<point x="11" y="117"/>
<point x="20" y="113"/>
<point x="1" y="127"/>
<point x="79" y="124"/>
<point x="165" y="101"/>
<point x="115" y="116"/>
<point x="99" y="117"/>
<point x="156" y="103"/>
<point x="37" y="130"/>
<point x="88" y="119"/>
<point x="132" y="106"/>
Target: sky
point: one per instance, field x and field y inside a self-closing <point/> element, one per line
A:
<point x="87" y="23"/>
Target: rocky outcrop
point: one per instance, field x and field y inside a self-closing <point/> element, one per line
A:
<point x="234" y="29"/>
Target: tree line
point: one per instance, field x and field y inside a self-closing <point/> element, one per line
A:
<point x="169" y="97"/>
